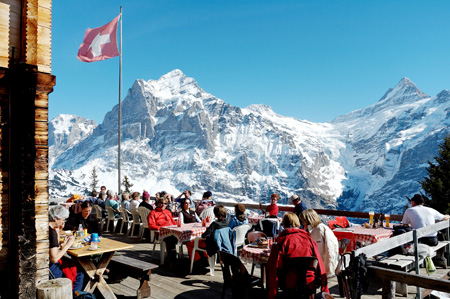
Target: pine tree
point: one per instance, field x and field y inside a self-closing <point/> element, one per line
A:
<point x="94" y="180"/>
<point x="437" y="184"/>
<point x="127" y="184"/>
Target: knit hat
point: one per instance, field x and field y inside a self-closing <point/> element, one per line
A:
<point x="145" y="195"/>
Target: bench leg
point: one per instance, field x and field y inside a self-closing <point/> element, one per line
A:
<point x="144" y="288"/>
<point x="388" y="289"/>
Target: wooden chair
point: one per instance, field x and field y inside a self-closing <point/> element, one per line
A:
<point x="143" y="212"/>
<point x="238" y="278"/>
<point x="136" y="222"/>
<point x="292" y="277"/>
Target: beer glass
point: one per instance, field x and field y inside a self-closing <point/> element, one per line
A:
<point x="371" y="213"/>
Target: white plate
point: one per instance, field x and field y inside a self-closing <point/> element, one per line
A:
<point x="76" y="247"/>
<point x="90" y="248"/>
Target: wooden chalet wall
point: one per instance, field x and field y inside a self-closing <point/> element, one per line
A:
<point x="25" y="83"/>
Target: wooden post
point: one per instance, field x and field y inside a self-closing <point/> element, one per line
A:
<point x="388" y="291"/>
<point x="55" y="288"/>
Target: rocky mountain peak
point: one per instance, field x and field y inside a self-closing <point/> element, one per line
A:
<point x="404" y="91"/>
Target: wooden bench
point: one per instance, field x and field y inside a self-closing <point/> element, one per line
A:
<point x="123" y="266"/>
<point x="406" y="263"/>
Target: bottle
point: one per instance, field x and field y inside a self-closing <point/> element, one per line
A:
<point x="85" y="233"/>
<point x="381" y="220"/>
<point x="80" y="231"/>
<point x="375" y="221"/>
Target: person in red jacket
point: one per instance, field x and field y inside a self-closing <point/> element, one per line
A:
<point x="272" y="209"/>
<point x="293" y="242"/>
<point x="162" y="217"/>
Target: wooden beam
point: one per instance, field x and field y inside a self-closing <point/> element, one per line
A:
<point x="410" y="279"/>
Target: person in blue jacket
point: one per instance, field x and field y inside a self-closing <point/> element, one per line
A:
<point x="239" y="218"/>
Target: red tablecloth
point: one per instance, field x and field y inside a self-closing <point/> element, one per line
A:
<point x="185" y="233"/>
<point x="366" y="236"/>
<point x="255" y="255"/>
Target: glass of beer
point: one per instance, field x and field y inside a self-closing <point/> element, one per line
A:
<point x="371" y="213"/>
<point x="387" y="217"/>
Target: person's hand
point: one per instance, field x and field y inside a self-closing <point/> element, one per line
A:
<point x="68" y="240"/>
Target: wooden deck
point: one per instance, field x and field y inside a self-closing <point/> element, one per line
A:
<point x="180" y="284"/>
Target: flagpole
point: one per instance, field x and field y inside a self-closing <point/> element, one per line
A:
<point x="120" y="96"/>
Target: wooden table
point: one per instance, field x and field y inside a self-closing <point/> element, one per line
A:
<point x="107" y="247"/>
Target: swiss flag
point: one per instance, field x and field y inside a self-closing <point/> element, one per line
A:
<point x="100" y="43"/>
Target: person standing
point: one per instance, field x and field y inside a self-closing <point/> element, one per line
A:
<point x="299" y="205"/>
<point x="419" y="216"/>
<point x="272" y="209"/>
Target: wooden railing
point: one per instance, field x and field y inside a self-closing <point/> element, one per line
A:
<point x="290" y="208"/>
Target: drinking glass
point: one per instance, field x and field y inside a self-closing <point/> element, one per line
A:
<point x="387" y="217"/>
<point x="371" y="213"/>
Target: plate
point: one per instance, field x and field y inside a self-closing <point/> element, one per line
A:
<point x="76" y="247"/>
<point x="89" y="248"/>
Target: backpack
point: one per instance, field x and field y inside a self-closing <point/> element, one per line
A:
<point x="83" y="295"/>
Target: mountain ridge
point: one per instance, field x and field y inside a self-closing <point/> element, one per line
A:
<point x="176" y="136"/>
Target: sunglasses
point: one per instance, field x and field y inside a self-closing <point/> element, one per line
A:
<point x="164" y="203"/>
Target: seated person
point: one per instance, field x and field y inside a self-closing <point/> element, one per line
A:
<point x="294" y="242"/>
<point x="206" y="202"/>
<point x="239" y="217"/>
<point x="162" y="217"/>
<point x="326" y="241"/>
<point x="187" y="214"/>
<point x="419" y="216"/>
<point x="221" y="214"/>
<point x="186" y="194"/>
<point x="299" y="205"/>
<point x="125" y="201"/>
<point x="134" y="203"/>
<point x="272" y="209"/>
<point x="85" y="218"/>
<point x="114" y="204"/>
<point x="146" y="201"/>
<point x="60" y="267"/>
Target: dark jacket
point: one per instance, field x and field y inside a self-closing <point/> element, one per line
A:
<point x="90" y="223"/>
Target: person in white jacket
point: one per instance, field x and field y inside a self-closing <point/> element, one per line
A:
<point x="324" y="237"/>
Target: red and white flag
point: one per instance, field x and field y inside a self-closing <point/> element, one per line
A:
<point x="100" y="43"/>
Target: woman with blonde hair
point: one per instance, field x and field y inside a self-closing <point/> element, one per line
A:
<point x="324" y="237"/>
<point x="291" y="243"/>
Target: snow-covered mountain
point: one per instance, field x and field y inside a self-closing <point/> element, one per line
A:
<point x="176" y="136"/>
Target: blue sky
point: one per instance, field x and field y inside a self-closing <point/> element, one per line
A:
<point x="312" y="60"/>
